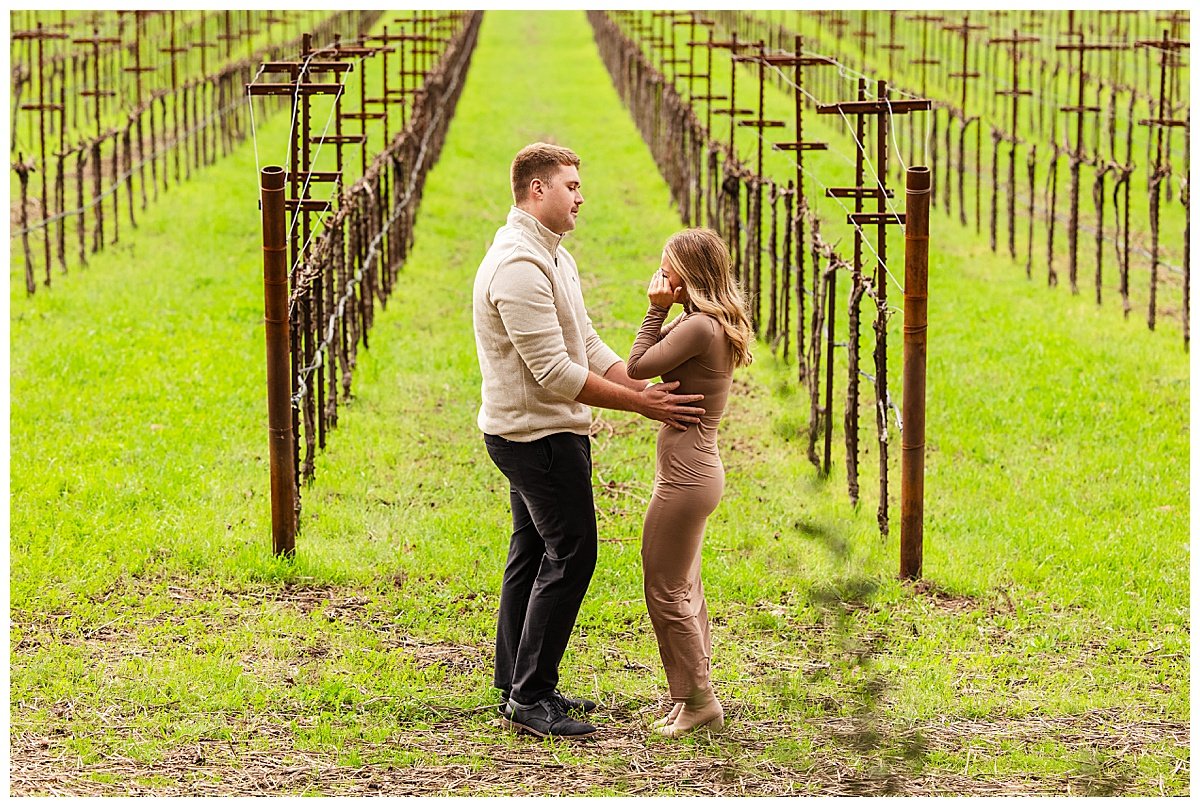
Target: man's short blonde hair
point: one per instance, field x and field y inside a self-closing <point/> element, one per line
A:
<point x="538" y="161"/>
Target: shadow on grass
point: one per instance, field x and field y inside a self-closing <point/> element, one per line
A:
<point x="888" y="755"/>
<point x="1096" y="773"/>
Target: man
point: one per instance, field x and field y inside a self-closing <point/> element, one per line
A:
<point x="543" y="366"/>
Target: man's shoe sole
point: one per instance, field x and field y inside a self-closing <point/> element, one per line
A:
<point x="512" y="725"/>
<point x="583" y="707"/>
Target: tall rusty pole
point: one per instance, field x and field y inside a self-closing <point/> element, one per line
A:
<point x="279" y="387"/>
<point x="916" y="288"/>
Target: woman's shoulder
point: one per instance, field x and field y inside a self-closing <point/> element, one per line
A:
<point x="700" y="319"/>
<point x="704" y="326"/>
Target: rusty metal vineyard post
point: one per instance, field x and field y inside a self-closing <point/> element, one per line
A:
<point x="299" y="88"/>
<point x="279" y="405"/>
<point x="95" y="92"/>
<point x="925" y="61"/>
<point x="731" y="227"/>
<point x="912" y="438"/>
<point x="709" y="44"/>
<point x="139" y="70"/>
<point x="695" y="202"/>
<point x="753" y="282"/>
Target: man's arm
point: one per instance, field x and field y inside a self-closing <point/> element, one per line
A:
<point x="619" y="374"/>
<point x="655" y="402"/>
<point x="525" y="301"/>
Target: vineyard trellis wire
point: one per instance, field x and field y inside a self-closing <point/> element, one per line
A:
<point x="1059" y="67"/>
<point x="337" y="269"/>
<point x="713" y="183"/>
<point x="1120" y="74"/>
<point x="111" y="108"/>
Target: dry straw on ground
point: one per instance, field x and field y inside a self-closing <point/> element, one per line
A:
<point x="263" y="760"/>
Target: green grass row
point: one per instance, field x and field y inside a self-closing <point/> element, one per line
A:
<point x="148" y="618"/>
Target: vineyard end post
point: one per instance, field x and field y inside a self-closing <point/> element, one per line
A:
<point x="916" y="287"/>
<point x="279" y="405"/>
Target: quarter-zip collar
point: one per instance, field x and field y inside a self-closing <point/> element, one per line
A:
<point x="541" y="233"/>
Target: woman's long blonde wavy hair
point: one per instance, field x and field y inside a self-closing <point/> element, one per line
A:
<point x="701" y="258"/>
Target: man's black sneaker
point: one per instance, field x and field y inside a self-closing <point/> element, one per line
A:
<point x="568" y="704"/>
<point x="546" y="718"/>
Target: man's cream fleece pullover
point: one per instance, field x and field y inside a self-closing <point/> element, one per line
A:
<point x="534" y="338"/>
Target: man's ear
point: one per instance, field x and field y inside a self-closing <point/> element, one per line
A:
<point x="536" y="186"/>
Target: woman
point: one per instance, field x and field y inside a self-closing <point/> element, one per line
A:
<point x="699" y="349"/>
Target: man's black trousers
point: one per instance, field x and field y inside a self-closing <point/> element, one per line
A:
<point x="551" y="557"/>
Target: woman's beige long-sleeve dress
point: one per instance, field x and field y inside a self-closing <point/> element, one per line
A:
<point x="688" y="483"/>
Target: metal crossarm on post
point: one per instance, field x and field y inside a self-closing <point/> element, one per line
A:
<point x="291" y="89"/>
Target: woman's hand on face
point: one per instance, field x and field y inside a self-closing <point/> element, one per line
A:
<point x="660" y="292"/>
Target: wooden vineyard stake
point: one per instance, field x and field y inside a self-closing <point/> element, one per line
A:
<point x="753" y="251"/>
<point x="1014" y="92"/>
<point x="883" y="109"/>
<point x="1161" y="123"/>
<point x="1079" y="109"/>
<point x="964" y="75"/>
<point x="797" y="61"/>
<point x="42" y="106"/>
